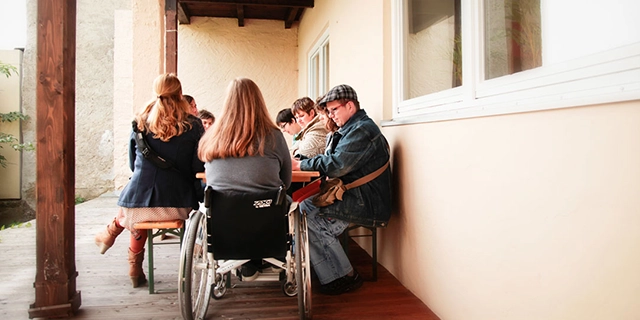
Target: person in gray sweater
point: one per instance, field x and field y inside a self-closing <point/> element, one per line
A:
<point x="244" y="150"/>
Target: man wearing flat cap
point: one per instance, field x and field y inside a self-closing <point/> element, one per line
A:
<point x="356" y="152"/>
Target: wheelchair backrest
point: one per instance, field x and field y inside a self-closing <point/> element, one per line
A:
<point x="247" y="225"/>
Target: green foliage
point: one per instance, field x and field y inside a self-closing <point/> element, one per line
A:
<point x="80" y="200"/>
<point x="6" y="138"/>
<point x="16" y="225"/>
<point x="7" y="69"/>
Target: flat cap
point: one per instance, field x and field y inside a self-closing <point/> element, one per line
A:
<point x="338" y="92"/>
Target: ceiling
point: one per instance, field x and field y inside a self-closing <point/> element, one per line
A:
<point x="287" y="11"/>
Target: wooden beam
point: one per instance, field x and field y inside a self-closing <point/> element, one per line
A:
<point x="291" y="15"/>
<point x="240" y="9"/>
<point x="184" y="16"/>
<point x="277" y="3"/>
<point x="171" y="36"/>
<point x="55" y="283"/>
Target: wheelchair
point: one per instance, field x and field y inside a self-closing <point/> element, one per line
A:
<point x="234" y="228"/>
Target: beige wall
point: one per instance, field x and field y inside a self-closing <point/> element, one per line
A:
<point x="214" y="51"/>
<point x="10" y="94"/>
<point x="526" y="216"/>
<point x="523" y="216"/>
<point x="356" y="47"/>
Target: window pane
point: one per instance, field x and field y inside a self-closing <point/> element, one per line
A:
<point x="434" y="59"/>
<point x="326" y="70"/>
<point x="512" y="36"/>
<point x="315" y="75"/>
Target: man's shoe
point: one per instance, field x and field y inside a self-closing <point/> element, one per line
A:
<point x="342" y="285"/>
<point x="249" y="272"/>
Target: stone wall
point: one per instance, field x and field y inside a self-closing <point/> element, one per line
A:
<point x="94" y="97"/>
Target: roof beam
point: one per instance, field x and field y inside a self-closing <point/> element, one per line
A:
<point x="278" y="3"/>
<point x="291" y="15"/>
<point x="240" y="15"/>
<point x="184" y="16"/>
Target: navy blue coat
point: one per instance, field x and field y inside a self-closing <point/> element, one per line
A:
<point x="151" y="186"/>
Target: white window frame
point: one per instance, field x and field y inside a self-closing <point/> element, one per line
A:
<point x="609" y="76"/>
<point x="322" y="52"/>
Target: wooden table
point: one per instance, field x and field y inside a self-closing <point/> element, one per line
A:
<point x="304" y="176"/>
<point x="296" y="176"/>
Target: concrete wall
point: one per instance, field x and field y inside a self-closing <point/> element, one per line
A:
<point x="524" y="216"/>
<point x="94" y="97"/>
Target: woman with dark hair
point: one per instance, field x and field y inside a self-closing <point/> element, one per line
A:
<point x="154" y="193"/>
<point x="287" y="123"/>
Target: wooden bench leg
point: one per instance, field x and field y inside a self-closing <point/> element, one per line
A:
<point x="150" y="258"/>
<point x="374" y="246"/>
<point x="174" y="227"/>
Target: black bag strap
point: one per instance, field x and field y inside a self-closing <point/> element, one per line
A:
<point x="149" y="153"/>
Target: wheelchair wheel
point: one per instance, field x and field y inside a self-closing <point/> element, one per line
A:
<point x="220" y="285"/>
<point x="303" y="266"/>
<point x="195" y="274"/>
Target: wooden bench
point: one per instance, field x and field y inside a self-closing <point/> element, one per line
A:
<point x="374" y="245"/>
<point x="162" y="229"/>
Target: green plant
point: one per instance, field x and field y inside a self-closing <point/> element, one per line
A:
<point x="16" y="225"/>
<point x="7" y="69"/>
<point x="5" y="138"/>
<point x="80" y="199"/>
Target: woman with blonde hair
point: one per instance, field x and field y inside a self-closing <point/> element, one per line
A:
<point x="158" y="193"/>
<point x="244" y="150"/>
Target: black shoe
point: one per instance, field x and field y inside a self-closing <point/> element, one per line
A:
<point x="342" y="285"/>
<point x="249" y="272"/>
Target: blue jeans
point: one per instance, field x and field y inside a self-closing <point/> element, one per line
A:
<point x="327" y="257"/>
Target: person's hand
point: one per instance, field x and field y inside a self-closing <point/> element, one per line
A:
<point x="295" y="164"/>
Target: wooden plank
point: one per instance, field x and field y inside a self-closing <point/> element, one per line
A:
<point x="184" y="16"/>
<point x="55" y="284"/>
<point x="277" y="3"/>
<point x="291" y="16"/>
<point x="171" y="36"/>
<point x="170" y="224"/>
<point x="240" y="14"/>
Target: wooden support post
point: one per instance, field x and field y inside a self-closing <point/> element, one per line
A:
<point x="171" y="36"/>
<point x="55" y="283"/>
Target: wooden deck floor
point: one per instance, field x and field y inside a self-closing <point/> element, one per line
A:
<point x="106" y="292"/>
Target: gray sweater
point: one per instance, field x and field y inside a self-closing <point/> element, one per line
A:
<point x="257" y="173"/>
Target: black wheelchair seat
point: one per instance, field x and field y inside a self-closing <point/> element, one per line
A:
<point x="248" y="225"/>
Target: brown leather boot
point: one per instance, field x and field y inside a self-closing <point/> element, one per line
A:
<point x="106" y="238"/>
<point x="135" y="268"/>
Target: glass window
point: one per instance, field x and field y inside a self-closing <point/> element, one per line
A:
<point x="433" y="57"/>
<point x="456" y="59"/>
<point x="319" y="68"/>
<point x="512" y="37"/>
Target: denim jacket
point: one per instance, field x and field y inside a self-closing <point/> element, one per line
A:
<point x="355" y="150"/>
<point x="151" y="186"/>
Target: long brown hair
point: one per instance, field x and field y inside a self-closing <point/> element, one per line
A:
<point x="166" y="116"/>
<point x="330" y="125"/>
<point x="241" y="129"/>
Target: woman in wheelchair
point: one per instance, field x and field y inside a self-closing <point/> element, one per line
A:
<point x="245" y="151"/>
<point x="157" y="191"/>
